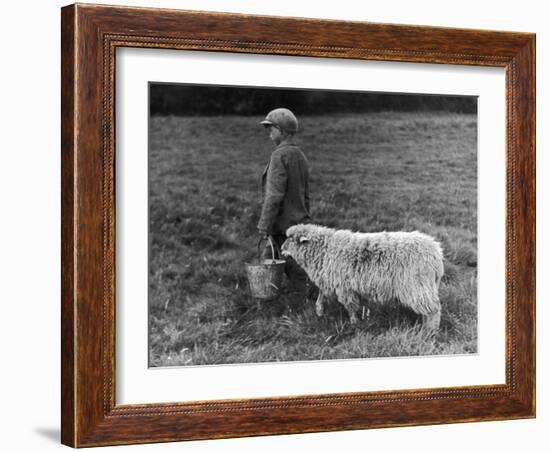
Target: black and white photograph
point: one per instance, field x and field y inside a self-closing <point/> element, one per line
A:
<point x="299" y="224"/>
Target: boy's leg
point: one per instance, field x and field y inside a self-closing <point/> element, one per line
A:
<point x="296" y="275"/>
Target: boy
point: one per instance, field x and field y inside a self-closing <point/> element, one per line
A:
<point x="285" y="190"/>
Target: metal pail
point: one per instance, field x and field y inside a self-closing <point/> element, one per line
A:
<point x="265" y="278"/>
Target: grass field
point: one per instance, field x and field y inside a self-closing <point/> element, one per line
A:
<point x="369" y="172"/>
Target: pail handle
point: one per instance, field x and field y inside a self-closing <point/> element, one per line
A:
<point x="270" y="240"/>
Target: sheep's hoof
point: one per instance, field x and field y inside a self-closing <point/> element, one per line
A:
<point x="319" y="310"/>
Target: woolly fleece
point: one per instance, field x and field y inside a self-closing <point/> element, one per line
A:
<point x="380" y="267"/>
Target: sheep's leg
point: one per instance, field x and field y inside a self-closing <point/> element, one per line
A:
<point x="320" y="304"/>
<point x="426" y="303"/>
<point x="350" y="301"/>
<point x="431" y="321"/>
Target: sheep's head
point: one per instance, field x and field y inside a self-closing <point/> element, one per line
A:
<point x="302" y="241"/>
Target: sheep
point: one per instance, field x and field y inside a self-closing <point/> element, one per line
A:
<point x="379" y="267"/>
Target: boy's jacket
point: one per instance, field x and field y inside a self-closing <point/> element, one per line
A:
<point x="285" y="190"/>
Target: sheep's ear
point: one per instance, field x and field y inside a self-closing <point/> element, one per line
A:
<point x="304" y="239"/>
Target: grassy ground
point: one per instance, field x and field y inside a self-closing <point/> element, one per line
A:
<point x="369" y="172"/>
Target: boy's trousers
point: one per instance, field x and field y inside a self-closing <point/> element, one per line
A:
<point x="296" y="275"/>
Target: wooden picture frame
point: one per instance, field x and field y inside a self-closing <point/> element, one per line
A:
<point x="90" y="36"/>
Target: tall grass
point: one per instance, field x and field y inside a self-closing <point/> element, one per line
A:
<point x="369" y="172"/>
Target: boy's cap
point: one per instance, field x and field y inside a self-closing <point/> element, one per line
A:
<point x="282" y="118"/>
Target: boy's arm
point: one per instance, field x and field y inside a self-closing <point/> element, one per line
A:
<point x="275" y="190"/>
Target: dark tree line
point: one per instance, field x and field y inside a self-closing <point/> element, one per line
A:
<point x="185" y="100"/>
